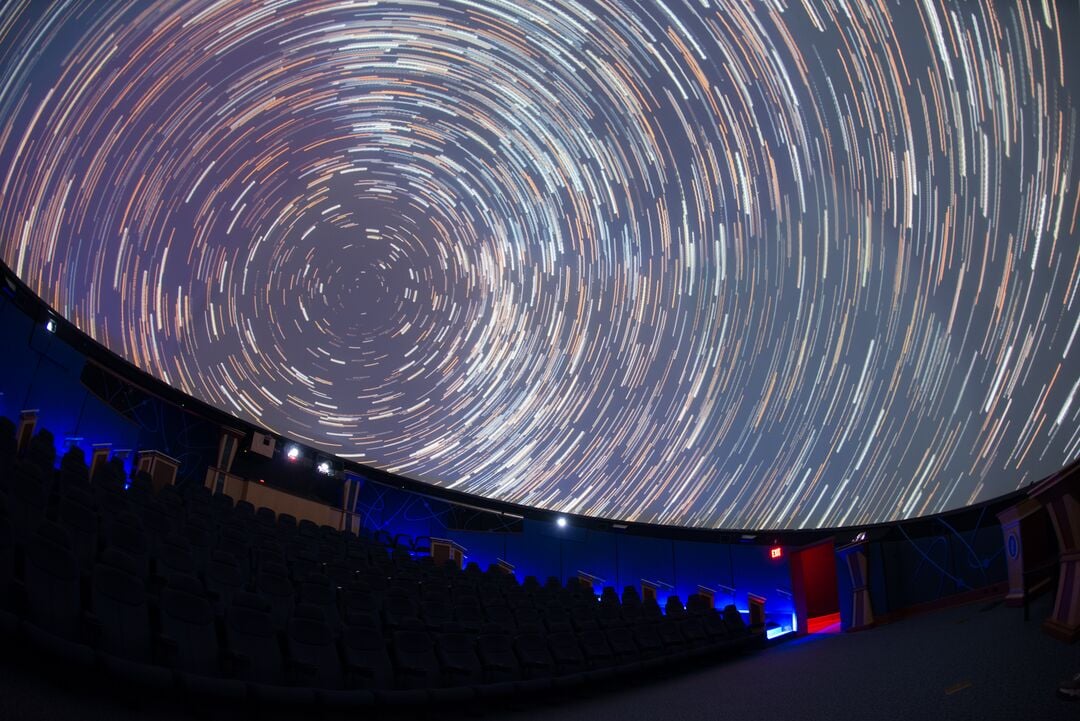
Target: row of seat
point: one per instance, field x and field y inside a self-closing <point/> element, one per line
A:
<point x="193" y="591"/>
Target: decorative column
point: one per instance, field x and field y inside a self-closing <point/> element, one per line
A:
<point x="589" y="581"/>
<point x="350" y="520"/>
<point x="854" y="557"/>
<point x="1019" y="523"/>
<point x="218" y="479"/>
<point x="99" y="457"/>
<point x="757" y="610"/>
<point x="1059" y="493"/>
<point x="24" y="432"/>
<point x="162" y="468"/>
<point x="447" y="551"/>
<point x="648" y="590"/>
<point x="228" y="445"/>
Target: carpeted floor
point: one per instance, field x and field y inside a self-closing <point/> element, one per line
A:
<point x="981" y="661"/>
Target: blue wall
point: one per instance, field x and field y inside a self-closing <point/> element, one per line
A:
<point x="39" y="370"/>
<point x="913" y="570"/>
<point x="542" y="549"/>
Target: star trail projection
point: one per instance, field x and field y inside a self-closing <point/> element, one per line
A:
<point x="718" y="263"/>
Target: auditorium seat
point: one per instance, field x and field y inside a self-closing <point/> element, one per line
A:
<point x="400" y="611"/>
<point x="53" y="602"/>
<point x="28" y="498"/>
<point x="318" y="590"/>
<point x="365" y="659"/>
<point x="221" y="505"/>
<point x="8" y="618"/>
<point x="286" y="525"/>
<point x="120" y="618"/>
<point x="173" y="558"/>
<point x="692" y="632"/>
<point x="7" y="553"/>
<point x="73" y="470"/>
<point x="125" y="533"/>
<point x="622" y="644"/>
<point x="232" y="538"/>
<point x="567" y="656"/>
<point x="650" y="610"/>
<point x="266" y="517"/>
<point x="596" y="650"/>
<point x="253" y="650"/>
<point x="359" y="601"/>
<point x="42" y="452"/>
<point x="197" y="532"/>
<point x="141" y="488"/>
<point x="415" y="664"/>
<point x="468" y="616"/>
<point x="81" y="524"/>
<point x="457" y="659"/>
<point x="733" y="620"/>
<point x="533" y="655"/>
<point x="499" y="613"/>
<point x="188" y="639"/>
<point x="8" y="450"/>
<point x="673" y="607"/>
<point x="312" y="650"/>
<point x="159" y="521"/>
<point x="648" y="640"/>
<point x="241" y="602"/>
<point x="437" y="614"/>
<point x="272" y="583"/>
<point x="496" y="654"/>
<point x="671" y="637"/>
<point x="223" y="578"/>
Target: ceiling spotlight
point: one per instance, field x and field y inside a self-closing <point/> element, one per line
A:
<point x="561" y="521"/>
<point x="292" y="452"/>
<point x="324" y="468"/>
<point x="50" y="325"/>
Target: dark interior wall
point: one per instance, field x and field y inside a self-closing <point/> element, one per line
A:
<point x="540" y="548"/>
<point x="40" y="370"/>
<point x="921" y="567"/>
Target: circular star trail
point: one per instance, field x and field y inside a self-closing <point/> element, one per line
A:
<point x="784" y="264"/>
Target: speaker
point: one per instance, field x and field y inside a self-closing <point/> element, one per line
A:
<point x="263" y="444"/>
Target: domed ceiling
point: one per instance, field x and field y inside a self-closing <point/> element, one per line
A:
<point x="729" y="264"/>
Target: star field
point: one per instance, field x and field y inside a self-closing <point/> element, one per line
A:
<point x="717" y="263"/>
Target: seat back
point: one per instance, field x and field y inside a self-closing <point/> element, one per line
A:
<point x="415" y="663"/>
<point x="251" y="637"/>
<point x="51" y="574"/>
<point x="311" y="642"/>
<point x="118" y="600"/>
<point x="187" y="621"/>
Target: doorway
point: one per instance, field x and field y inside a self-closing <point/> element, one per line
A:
<point x="813" y="585"/>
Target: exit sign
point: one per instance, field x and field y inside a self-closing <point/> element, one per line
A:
<point x="775" y="552"/>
